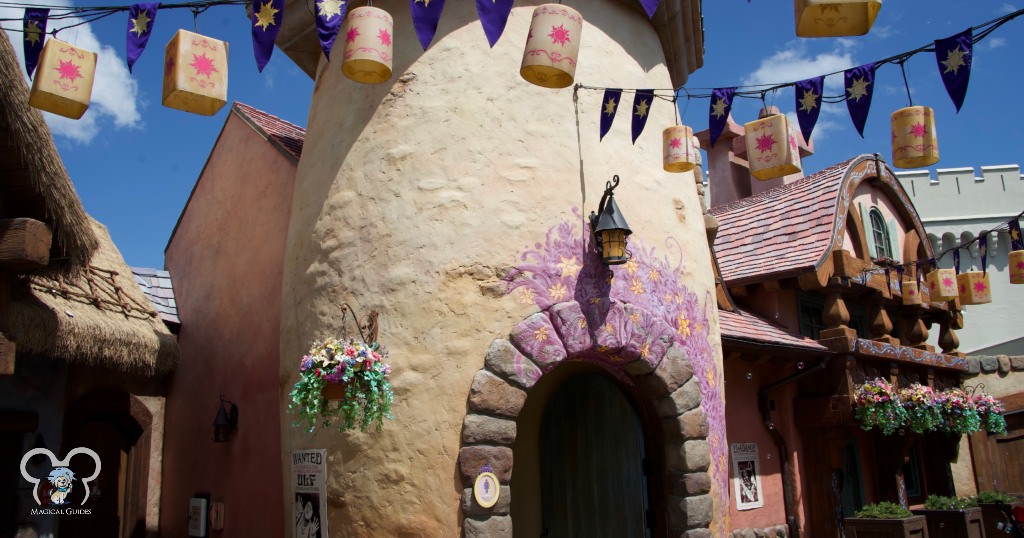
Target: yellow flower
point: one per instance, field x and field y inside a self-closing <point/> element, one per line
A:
<point x="654" y="275"/>
<point x="632" y="266"/>
<point x="609" y="328"/>
<point x="557" y="292"/>
<point x="645" y="350"/>
<point x="637" y="286"/>
<point x="684" y="325"/>
<point x="526" y="295"/>
<point x="582" y="323"/>
<point x="568" y="266"/>
<point x="634" y="317"/>
<point x="541" y="334"/>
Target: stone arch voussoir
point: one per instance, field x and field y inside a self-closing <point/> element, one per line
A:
<point x="618" y="335"/>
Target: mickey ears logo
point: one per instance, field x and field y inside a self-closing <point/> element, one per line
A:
<point x="61" y="477"/>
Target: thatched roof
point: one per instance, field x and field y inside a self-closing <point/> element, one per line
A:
<point x="35" y="183"/>
<point x="98" y="317"/>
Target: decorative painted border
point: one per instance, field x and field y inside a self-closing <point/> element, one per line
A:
<point x="909" y="354"/>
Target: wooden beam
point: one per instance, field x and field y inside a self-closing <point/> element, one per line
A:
<point x="7" y="352"/>
<point x="24" y="244"/>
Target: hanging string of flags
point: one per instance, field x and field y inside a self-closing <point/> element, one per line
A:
<point x="947" y="284"/>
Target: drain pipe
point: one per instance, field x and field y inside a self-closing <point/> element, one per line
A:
<point x="780" y="443"/>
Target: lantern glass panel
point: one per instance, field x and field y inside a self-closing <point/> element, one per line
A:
<point x="613" y="245"/>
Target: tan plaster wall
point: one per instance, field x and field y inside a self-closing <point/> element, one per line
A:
<point x="225" y="261"/>
<point x="416" y="196"/>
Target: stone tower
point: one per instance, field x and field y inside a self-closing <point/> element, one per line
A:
<point x="451" y="199"/>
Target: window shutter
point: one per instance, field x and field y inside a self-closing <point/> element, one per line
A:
<point x="869" y="234"/>
<point x="894" y="242"/>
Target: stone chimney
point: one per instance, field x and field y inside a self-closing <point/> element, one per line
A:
<point x="728" y="168"/>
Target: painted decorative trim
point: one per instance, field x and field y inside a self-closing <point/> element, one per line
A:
<point x="909" y="354"/>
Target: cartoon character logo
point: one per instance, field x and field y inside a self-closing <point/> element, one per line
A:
<point x="61" y="477"/>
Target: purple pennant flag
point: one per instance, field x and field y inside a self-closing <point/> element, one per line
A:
<point x="266" y="23"/>
<point x="141" y="18"/>
<point x="641" y="111"/>
<point x="329" y="15"/>
<point x="33" y="37"/>
<point x="650" y="6"/>
<point x="956" y="259"/>
<point x="609" y="106"/>
<point x="425" y="16"/>
<point x="1016" y="238"/>
<point x="493" y="15"/>
<point x="808" y="104"/>
<point x="983" y="250"/>
<point x="954" y="55"/>
<point x="721" y="104"/>
<point x="860" y="86"/>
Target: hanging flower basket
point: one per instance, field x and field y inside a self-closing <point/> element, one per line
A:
<point x="923" y="413"/>
<point x="877" y="405"/>
<point x="990" y="411"/>
<point x="343" y="381"/>
<point x="922" y="409"/>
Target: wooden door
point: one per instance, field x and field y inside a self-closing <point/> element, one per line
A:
<point x="592" y="462"/>
<point x="999" y="459"/>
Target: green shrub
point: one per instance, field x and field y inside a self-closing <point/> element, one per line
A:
<point x="938" y="502"/>
<point x="994" y="497"/>
<point x="884" y="510"/>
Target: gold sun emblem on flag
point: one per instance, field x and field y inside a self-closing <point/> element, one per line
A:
<point x="32" y="32"/>
<point x="858" y="89"/>
<point x="719" y="108"/>
<point x="809" y="101"/>
<point x="641" y="109"/>
<point x="954" y="60"/>
<point x="140" y="24"/>
<point x="426" y="3"/>
<point x="265" y="16"/>
<point x="609" y="107"/>
<point x="329" y="9"/>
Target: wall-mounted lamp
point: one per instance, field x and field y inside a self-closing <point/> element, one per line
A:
<point x="226" y="423"/>
<point x="610" y="228"/>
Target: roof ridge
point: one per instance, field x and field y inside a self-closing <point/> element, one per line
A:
<point x="250" y="108"/>
<point x="781" y="189"/>
<point x="288" y="136"/>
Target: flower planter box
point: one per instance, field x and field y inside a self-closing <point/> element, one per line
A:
<point x="966" y="523"/>
<point x="911" y="527"/>
<point x="991" y="517"/>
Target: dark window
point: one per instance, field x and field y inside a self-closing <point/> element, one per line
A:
<point x="811" y="309"/>
<point x="880" y="232"/>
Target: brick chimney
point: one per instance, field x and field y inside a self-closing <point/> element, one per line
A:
<point x="729" y="176"/>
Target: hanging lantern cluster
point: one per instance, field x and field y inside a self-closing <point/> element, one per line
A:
<point x="772" y="150"/>
<point x="835" y="18"/>
<point x="679" y="154"/>
<point x="911" y="292"/>
<point x="914" y="143"/>
<point x="942" y="285"/>
<point x="974" y="287"/>
<point x="195" y="73"/>
<point x="552" y="46"/>
<point x="369" y="45"/>
<point x="64" y="78"/>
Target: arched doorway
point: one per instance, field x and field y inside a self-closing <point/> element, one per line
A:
<point x="592" y="455"/>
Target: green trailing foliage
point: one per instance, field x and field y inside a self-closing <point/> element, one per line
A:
<point x="884" y="510"/>
<point x="992" y="497"/>
<point x="939" y="502"/>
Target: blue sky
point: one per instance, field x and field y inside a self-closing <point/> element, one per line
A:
<point x="135" y="162"/>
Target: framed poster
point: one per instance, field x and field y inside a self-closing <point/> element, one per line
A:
<point x="197" y="515"/>
<point x="746" y="476"/>
<point x="309" y="480"/>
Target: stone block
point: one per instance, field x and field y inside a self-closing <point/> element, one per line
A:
<point x="473" y="458"/>
<point x="973" y="365"/>
<point x="681" y="400"/>
<point x="488" y="430"/>
<point x="502" y="507"/>
<point x="610" y="326"/>
<point x="505" y="360"/>
<point x="1017" y="362"/>
<point x="697" y="455"/>
<point x="674" y="370"/>
<point x="989" y="364"/>
<point x="492" y="527"/>
<point x="697" y="483"/>
<point x="571" y="324"/>
<point x="1004" y="364"/>
<point x="694" y="425"/>
<point x="536" y="338"/>
<point x="491" y="395"/>
<point x="697" y="533"/>
<point x="698" y="511"/>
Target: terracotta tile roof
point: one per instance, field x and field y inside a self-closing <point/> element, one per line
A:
<point x="787" y="229"/>
<point x="157" y="287"/>
<point x="743" y="325"/>
<point x="286" y="135"/>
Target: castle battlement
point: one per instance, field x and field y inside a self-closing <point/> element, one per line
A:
<point x="963" y="194"/>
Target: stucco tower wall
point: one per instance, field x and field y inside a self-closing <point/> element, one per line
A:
<point x="415" y="197"/>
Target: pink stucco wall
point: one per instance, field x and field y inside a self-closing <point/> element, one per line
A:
<point x="225" y="259"/>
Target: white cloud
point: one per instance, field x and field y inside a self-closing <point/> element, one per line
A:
<point x="1006" y="9"/>
<point x="994" y="42"/>
<point x="795" y="63"/>
<point x="115" y="93"/>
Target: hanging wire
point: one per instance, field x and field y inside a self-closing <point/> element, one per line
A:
<point x="906" y="84"/>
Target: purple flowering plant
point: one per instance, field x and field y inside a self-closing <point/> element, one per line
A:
<point x="922" y="409"/>
<point x="959" y="415"/>
<point x="877" y="405"/>
<point x="923" y="413"/>
<point x="359" y="369"/>
<point x="990" y="411"/>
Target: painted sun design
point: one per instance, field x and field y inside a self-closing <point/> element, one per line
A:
<point x="641" y="109"/>
<point x="1020" y="265"/>
<point x="69" y="71"/>
<point x="609" y="107"/>
<point x="719" y="108"/>
<point x="559" y="35"/>
<point x="352" y="34"/>
<point x="426" y="3"/>
<point x="765" y="143"/>
<point x="203" y="65"/>
<point x="384" y="37"/>
<point x="954" y="60"/>
<point x="328" y="9"/>
<point x="858" y="89"/>
<point x="32" y="32"/>
<point x="675" y="143"/>
<point x="947" y="282"/>
<point x="265" y="16"/>
<point x="140" y="24"/>
<point x="809" y="101"/>
<point x="979" y="287"/>
<point x="917" y="130"/>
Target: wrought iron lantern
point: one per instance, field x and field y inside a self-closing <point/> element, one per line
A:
<point x="610" y="228"/>
<point x="226" y="423"/>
